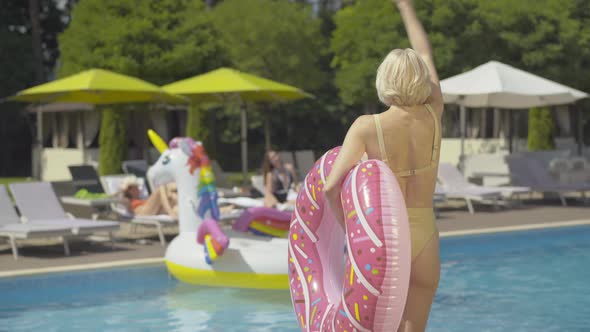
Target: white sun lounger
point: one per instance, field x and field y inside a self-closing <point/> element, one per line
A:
<point x="530" y="172"/>
<point x="112" y="184"/>
<point x="38" y="204"/>
<point x="454" y="186"/>
<point x="13" y="229"/>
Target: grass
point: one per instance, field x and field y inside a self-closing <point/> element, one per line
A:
<point x="235" y="178"/>
<point x="7" y="181"/>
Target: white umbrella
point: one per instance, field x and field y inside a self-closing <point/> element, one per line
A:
<point x="498" y="85"/>
<point x="495" y="84"/>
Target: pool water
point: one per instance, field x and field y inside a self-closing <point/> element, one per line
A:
<point x="525" y="281"/>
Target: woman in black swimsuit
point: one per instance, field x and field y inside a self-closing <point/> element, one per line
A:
<point x="279" y="177"/>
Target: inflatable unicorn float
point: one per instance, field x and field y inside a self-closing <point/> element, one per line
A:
<point x="250" y="254"/>
<point x="340" y="280"/>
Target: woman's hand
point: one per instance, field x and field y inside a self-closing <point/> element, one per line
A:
<point x="334" y="203"/>
<point x="399" y="2"/>
<point x="351" y="152"/>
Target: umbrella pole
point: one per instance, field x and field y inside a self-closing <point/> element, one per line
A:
<point x="510" y="131"/>
<point x="463" y="121"/>
<point x="80" y="141"/>
<point x="37" y="167"/>
<point x="579" y="130"/>
<point x="244" y="141"/>
<point x="267" y="132"/>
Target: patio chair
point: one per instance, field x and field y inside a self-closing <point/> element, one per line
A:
<point x="257" y="182"/>
<point x="85" y="177"/>
<point x="38" y="204"/>
<point x="305" y="161"/>
<point x="438" y="197"/>
<point x="287" y="157"/>
<point x="580" y="169"/>
<point x="221" y="180"/>
<point x="559" y="169"/>
<point x="112" y="184"/>
<point x="531" y="173"/>
<point x="222" y="183"/>
<point x="454" y="186"/>
<point x="13" y="229"/>
<point x="138" y="168"/>
<point x="508" y="192"/>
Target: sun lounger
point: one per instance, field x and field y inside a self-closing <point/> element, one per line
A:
<point x="455" y="186"/>
<point x="112" y="184"/>
<point x="287" y="157"/>
<point x="38" y="204"/>
<point x="450" y="174"/>
<point x="257" y="182"/>
<point x="305" y="161"/>
<point x="580" y="168"/>
<point x="222" y="183"/>
<point x="138" y="168"/>
<point x="86" y="177"/>
<point x="13" y="229"/>
<point x="531" y="173"/>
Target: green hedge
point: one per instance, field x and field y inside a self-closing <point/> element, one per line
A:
<point x="541" y="129"/>
<point x="112" y="141"/>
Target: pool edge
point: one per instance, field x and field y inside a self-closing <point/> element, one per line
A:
<point x="83" y="267"/>
<point x="160" y="260"/>
<point x="505" y="229"/>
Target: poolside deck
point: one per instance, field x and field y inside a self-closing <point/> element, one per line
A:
<point x="143" y="244"/>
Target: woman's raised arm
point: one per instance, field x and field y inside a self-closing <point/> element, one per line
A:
<point x="417" y="35"/>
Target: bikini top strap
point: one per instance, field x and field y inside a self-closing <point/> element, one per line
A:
<point x="435" y="148"/>
<point x="380" y="139"/>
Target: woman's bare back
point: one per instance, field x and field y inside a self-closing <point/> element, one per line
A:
<point x="411" y="142"/>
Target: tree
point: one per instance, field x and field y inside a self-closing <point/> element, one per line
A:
<point x="550" y="38"/>
<point x="275" y="39"/>
<point x="112" y="141"/>
<point x="21" y="70"/>
<point x="198" y="127"/>
<point x="36" y="38"/>
<point x="157" y="40"/>
<point x="278" y="40"/>
<point x="366" y="31"/>
<point x="540" y="130"/>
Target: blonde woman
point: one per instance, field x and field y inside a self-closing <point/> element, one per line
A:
<point x="407" y="138"/>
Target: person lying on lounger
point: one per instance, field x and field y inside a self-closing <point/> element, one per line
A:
<point x="164" y="200"/>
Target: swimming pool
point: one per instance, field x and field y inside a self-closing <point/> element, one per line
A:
<point x="526" y="281"/>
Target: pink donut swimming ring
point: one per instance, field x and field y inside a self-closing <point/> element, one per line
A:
<point x="366" y="290"/>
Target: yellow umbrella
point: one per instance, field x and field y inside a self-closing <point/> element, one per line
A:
<point x="94" y="86"/>
<point x="97" y="86"/>
<point x="214" y="85"/>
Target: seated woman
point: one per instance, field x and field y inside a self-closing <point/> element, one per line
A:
<point x="164" y="200"/>
<point x="279" y="179"/>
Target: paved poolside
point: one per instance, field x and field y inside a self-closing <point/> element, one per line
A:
<point x="47" y="255"/>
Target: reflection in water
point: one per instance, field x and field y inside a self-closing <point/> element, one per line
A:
<point x="195" y="308"/>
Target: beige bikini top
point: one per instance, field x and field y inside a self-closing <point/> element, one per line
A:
<point x="435" y="146"/>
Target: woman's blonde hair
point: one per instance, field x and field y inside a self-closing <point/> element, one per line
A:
<point x="403" y="79"/>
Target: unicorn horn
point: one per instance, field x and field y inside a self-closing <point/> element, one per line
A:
<point x="157" y="141"/>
